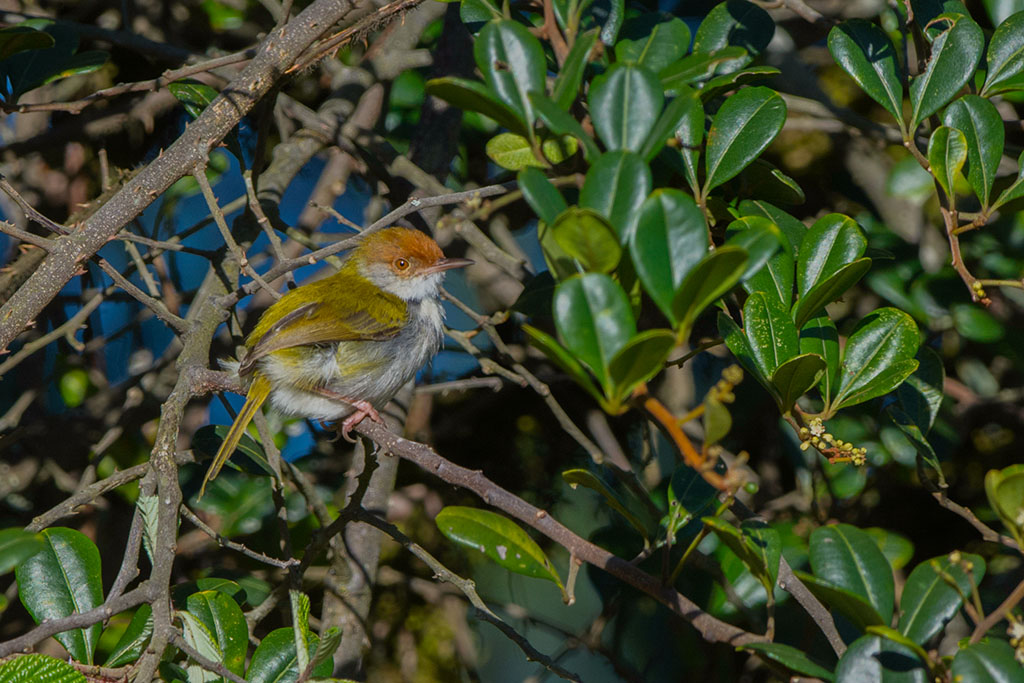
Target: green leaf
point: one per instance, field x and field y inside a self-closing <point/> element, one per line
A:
<point x="720" y="85"/>
<point x="198" y="635"/>
<point x="1015" y="190"/>
<point x="640" y="359"/>
<point x="697" y="67"/>
<point x="850" y="559"/>
<point x="15" y="39"/>
<point x="652" y="40"/>
<point x="790" y="657"/>
<point x="929" y="601"/>
<point x="830" y="244"/>
<point x="770" y="332"/>
<point x="765" y="180"/>
<point x="567" y="83"/>
<point x="792" y="228"/>
<point x="194" y="95"/>
<point x="989" y="661"/>
<point x="829" y="290"/>
<point x="735" y="23"/>
<point x="35" y="668"/>
<point x="916" y="438"/>
<point x="134" y="640"/>
<point x="499" y="538"/>
<point x="25" y="70"/>
<point x="594" y="320"/>
<point x="690" y="133"/>
<point x="742" y="128"/>
<point x="543" y="197"/>
<point x="976" y="324"/>
<point x="689" y="495"/>
<point x="511" y="60"/>
<point x="865" y="52"/>
<point x="225" y="622"/>
<point x="624" y="104"/>
<point x="819" y="336"/>
<point x="511" y="151"/>
<point x="683" y="117"/>
<point x="62" y="579"/>
<point x="737" y="343"/>
<point x="898" y="549"/>
<point x="777" y="276"/>
<point x="561" y="122"/>
<point x="301" y="634"/>
<point x="473" y="96"/>
<point x="1005" y="57"/>
<point x="587" y="479"/>
<point x="16" y="546"/>
<point x="326" y="648"/>
<point x="955" y="55"/>
<point x="565" y="360"/>
<point x="796" y="376"/>
<point x="670" y="238"/>
<point x="1005" y="491"/>
<point x="851" y="605"/>
<point x="947" y="154"/>
<point x="81" y="63"/>
<point x="982" y="126"/>
<point x="879" y="660"/>
<point x="717" y="421"/>
<point x="921" y="395"/>
<point x="759" y="237"/>
<point x="475" y="13"/>
<point x="615" y="186"/>
<point x="248" y="457"/>
<point x="713" y="277"/>
<point x="587" y="237"/>
<point x="878" y="356"/>
<point x="757" y="545"/>
<point x="909" y="181"/>
<point x="274" y="660"/>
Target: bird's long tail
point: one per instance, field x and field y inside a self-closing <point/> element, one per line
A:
<point x="258" y="392"/>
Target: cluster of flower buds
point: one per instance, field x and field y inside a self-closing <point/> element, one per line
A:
<point x="722" y="391"/>
<point x="836" y="450"/>
<point x="1016" y="632"/>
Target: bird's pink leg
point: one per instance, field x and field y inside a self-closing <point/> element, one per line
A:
<point x="363" y="409"/>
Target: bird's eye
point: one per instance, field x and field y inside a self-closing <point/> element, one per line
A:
<point x="401" y="264"/>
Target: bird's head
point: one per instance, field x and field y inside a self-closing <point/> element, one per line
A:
<point x="403" y="262"/>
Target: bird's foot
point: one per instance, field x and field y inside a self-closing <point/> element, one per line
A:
<point x="363" y="410"/>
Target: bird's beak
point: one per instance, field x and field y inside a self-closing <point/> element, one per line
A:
<point x="447" y="264"/>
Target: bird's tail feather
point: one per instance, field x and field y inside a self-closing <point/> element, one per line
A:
<point x="258" y="392"/>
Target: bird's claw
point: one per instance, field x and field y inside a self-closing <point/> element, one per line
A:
<point x="363" y="410"/>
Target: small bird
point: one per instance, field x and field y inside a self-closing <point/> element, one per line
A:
<point x="343" y="346"/>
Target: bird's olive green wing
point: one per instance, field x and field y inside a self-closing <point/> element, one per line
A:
<point x="336" y="309"/>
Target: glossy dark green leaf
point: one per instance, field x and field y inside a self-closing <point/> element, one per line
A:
<point x="594" y="320"/>
<point x="796" y="376"/>
<point x="916" y="437"/>
<point x="274" y="660"/>
<point x="697" y="67"/>
<point x="652" y="40"/>
<point x="830" y="289"/>
<point x="819" y="336"/>
<point x="829" y="245"/>
<point x="26" y="70"/>
<point x="194" y="96"/>
<point x="927" y="11"/>
<point x="134" y="640"/>
<point x="499" y="538"/>
<point x="1005" y="57"/>
<point x="616" y="186"/>
<point x="512" y="62"/>
<point x="16" y="546"/>
<point x="792" y="228"/>
<point x="561" y="122"/>
<point x="587" y="237"/>
<point x="982" y="126"/>
<point x="955" y="54"/>
<point x="224" y="619"/>
<point x="765" y="180"/>
<point x="976" y="324"/>
<point x="851" y="605"/>
<point x="690" y="134"/>
<point x="36" y="668"/>
<point x="625" y="103"/>
<point x="897" y="548"/>
<point x="587" y="479"/>
<point x="790" y="657"/>
<point x="736" y="342"/>
<point x="865" y="52"/>
<point x="873" y="659"/>
<point x="605" y="15"/>
<point x="742" y="128"/>
<point x="770" y="332"/>
<point x="561" y="357"/>
<point x="920" y="396"/>
<point x="248" y="457"/>
<point x="947" y="154"/>
<point x="81" y="63"/>
<point x="759" y="237"/>
<point x="670" y="238"/>
<point x="476" y="13"/>
<point x="543" y="197"/>
<point x="735" y="23"/>
<point x="720" y="85"/>
<point x="929" y="601"/>
<point x="473" y="96"/>
<point x="639" y="360"/>
<point x="15" y="39"/>
<point x="62" y="579"/>
<point x="1015" y="190"/>
<point x="713" y="277"/>
<point x="848" y="558"/>
<point x="567" y="83"/>
<point x="879" y="355"/>
<point x="757" y="545"/>
<point x="683" y="117"/>
<point x="989" y="661"/>
<point x="689" y="495"/>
